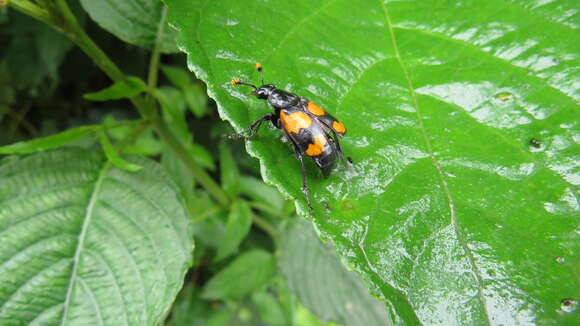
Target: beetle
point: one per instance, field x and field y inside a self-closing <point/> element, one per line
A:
<point x="309" y="128"/>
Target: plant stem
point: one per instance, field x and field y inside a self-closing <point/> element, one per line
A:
<point x="267" y="209"/>
<point x="65" y="21"/>
<point x="214" y="210"/>
<point x="154" y="63"/>
<point x="33" y="10"/>
<point x="264" y="225"/>
<point x="72" y="28"/>
<point x="130" y="138"/>
<point x="77" y="34"/>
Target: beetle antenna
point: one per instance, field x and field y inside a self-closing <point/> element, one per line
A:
<point x="259" y="68"/>
<point x="237" y="81"/>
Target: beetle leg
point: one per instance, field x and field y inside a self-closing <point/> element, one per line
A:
<point x="339" y="150"/>
<point x="253" y="128"/>
<point x="305" y="190"/>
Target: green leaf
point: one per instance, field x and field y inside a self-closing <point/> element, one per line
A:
<point x="237" y="228"/>
<point x="178" y="171"/>
<point x="145" y="144"/>
<point x="202" y="156"/>
<point x="230" y="176"/>
<point x="197" y="99"/>
<point x="221" y="318"/>
<point x="173" y="104"/>
<point x="122" y="89"/>
<point x="304" y="317"/>
<point x="85" y="243"/>
<point x="178" y="76"/>
<point x="316" y="275"/>
<point x="133" y="21"/>
<point x="194" y="93"/>
<point x="261" y="193"/>
<point x="33" y="52"/>
<point x="269" y="308"/>
<point x="462" y="123"/>
<point x="114" y="156"/>
<point x="247" y="273"/>
<point x="48" y="142"/>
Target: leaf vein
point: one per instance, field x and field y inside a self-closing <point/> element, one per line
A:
<point x="105" y="263"/>
<point x="80" y="244"/>
<point x="91" y="296"/>
<point x="445" y="187"/>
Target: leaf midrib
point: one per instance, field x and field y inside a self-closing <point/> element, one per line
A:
<point x="445" y="187"/>
<point x="82" y="236"/>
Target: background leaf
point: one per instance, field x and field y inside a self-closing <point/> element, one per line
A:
<point x="88" y="243"/>
<point x="33" y="52"/>
<point x="237" y="227"/>
<point x="229" y="173"/>
<point x="318" y="278"/>
<point x="269" y="308"/>
<point x="48" y="142"/>
<point x="248" y="272"/>
<point x="463" y="127"/>
<point x="133" y="21"/>
<point x="113" y="156"/>
<point x="123" y="89"/>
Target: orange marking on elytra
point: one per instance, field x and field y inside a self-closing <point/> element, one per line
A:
<point x="315" y="109"/>
<point x="338" y="127"/>
<point x="293" y="122"/>
<point x="318" y="147"/>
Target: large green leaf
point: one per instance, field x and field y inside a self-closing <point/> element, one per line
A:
<point x="463" y="125"/>
<point x="84" y="243"/>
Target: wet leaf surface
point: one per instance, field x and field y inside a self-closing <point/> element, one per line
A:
<point x="462" y="204"/>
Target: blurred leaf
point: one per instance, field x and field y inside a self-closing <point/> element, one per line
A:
<point x="178" y="76"/>
<point x="202" y="156"/>
<point x="133" y="21"/>
<point x="122" y="89"/>
<point x="179" y="172"/>
<point x="270" y="310"/>
<point x="306" y="318"/>
<point x="247" y="273"/>
<point x="261" y="192"/>
<point x="196" y="98"/>
<point x="188" y="309"/>
<point x="194" y="93"/>
<point x="85" y="243"/>
<point x="3" y="11"/>
<point x="146" y="144"/>
<point x="316" y="275"/>
<point x="221" y="318"/>
<point x="33" y="51"/>
<point x="230" y="176"/>
<point x="113" y="156"/>
<point x="442" y="101"/>
<point x="237" y="228"/>
<point x="48" y="142"/>
<point x="173" y="104"/>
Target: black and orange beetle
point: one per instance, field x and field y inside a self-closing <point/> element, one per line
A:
<point x="310" y="129"/>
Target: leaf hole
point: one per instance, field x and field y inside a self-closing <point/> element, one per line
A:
<point x="568" y="304"/>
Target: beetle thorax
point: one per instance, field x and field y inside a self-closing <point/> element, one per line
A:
<point x="281" y="99"/>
